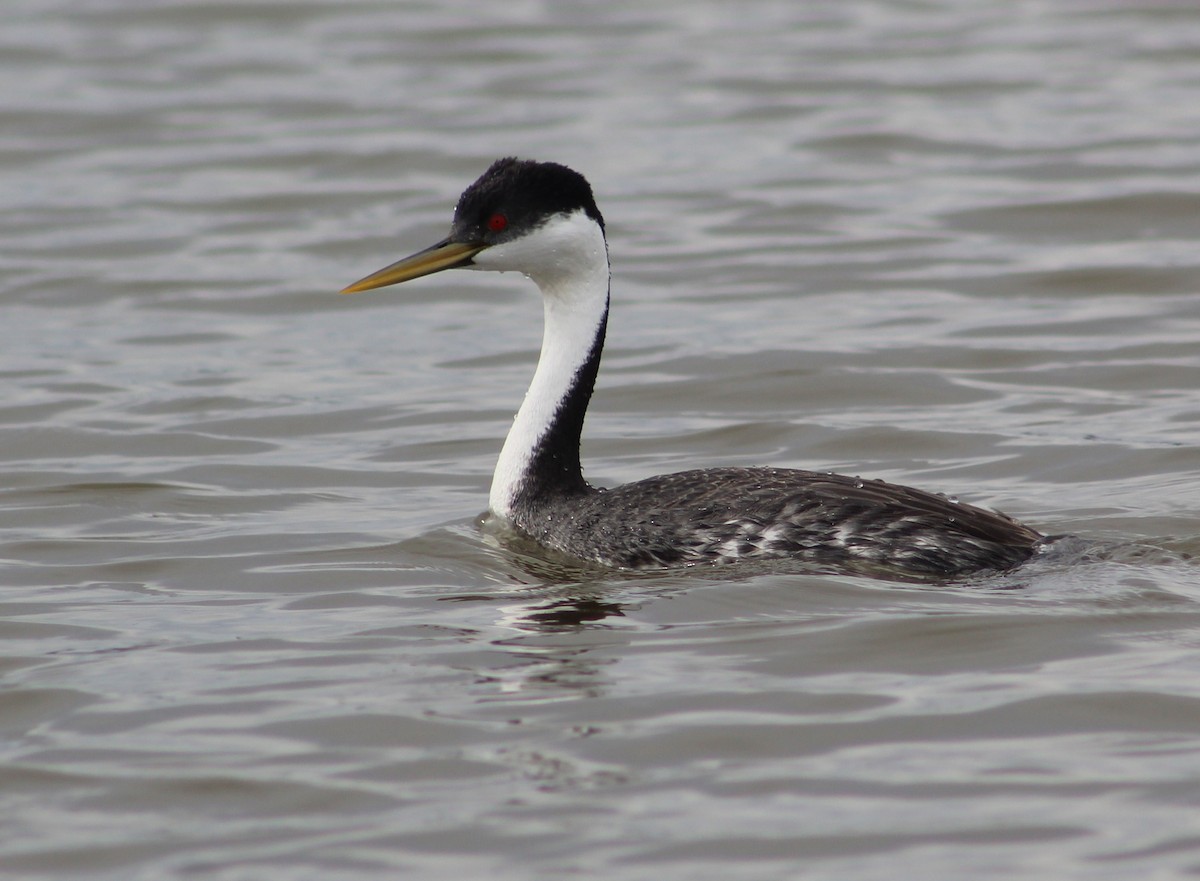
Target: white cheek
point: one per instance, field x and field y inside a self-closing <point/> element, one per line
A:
<point x="566" y="249"/>
<point x="539" y="251"/>
<point x="501" y="258"/>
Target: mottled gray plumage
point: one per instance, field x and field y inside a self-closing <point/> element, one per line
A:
<point x="720" y="515"/>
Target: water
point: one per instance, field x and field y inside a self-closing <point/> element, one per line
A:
<point x="250" y="629"/>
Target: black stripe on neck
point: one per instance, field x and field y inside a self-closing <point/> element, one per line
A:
<point x="554" y="468"/>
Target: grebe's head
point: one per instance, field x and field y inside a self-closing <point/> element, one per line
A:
<point x="539" y="218"/>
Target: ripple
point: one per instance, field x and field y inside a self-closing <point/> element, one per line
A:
<point x="249" y="621"/>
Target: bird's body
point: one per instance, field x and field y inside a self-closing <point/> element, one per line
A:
<point x="541" y="219"/>
<point x="719" y="515"/>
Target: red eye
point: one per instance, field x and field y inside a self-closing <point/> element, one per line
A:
<point x="497" y="222"/>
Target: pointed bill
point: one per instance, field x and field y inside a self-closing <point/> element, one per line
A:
<point x="444" y="255"/>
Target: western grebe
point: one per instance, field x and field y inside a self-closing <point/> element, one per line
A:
<point x="540" y="219"/>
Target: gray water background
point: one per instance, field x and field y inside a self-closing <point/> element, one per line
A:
<point x="249" y="627"/>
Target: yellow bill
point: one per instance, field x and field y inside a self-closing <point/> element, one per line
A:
<point x="443" y="255"/>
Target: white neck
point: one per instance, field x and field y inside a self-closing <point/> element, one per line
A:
<point x="567" y="259"/>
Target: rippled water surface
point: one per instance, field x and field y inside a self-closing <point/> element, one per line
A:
<point x="250" y="629"/>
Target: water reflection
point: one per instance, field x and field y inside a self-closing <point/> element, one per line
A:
<point x="568" y="614"/>
<point x="553" y="615"/>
